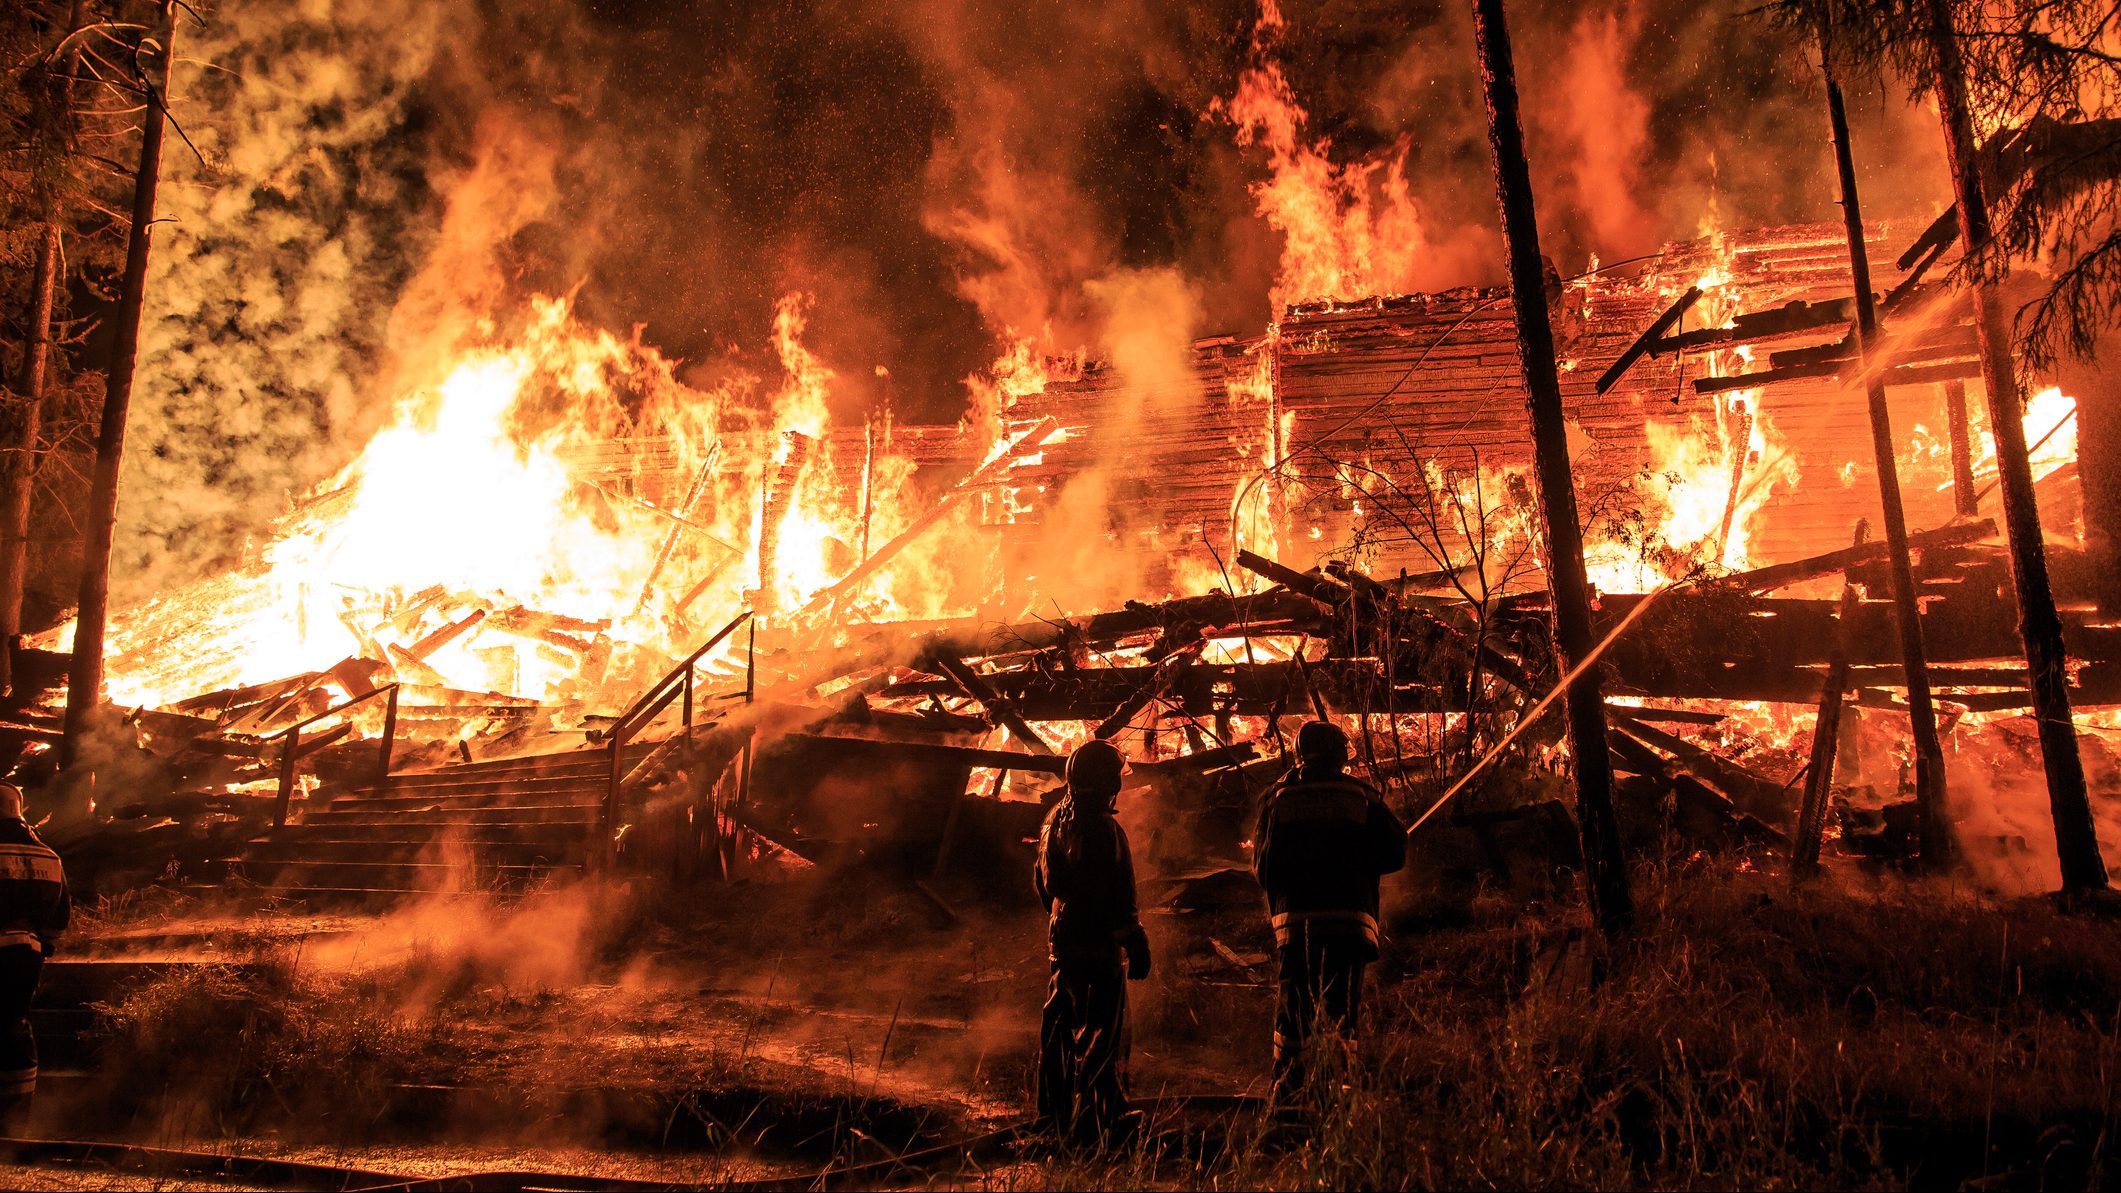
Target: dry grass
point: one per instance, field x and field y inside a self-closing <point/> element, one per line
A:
<point x="1750" y="1037"/>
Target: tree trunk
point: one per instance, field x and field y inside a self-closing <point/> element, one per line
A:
<point x="24" y="417"/>
<point x="2076" y="841"/>
<point x="84" y="676"/>
<point x="1604" y="867"/>
<point x="1934" y="825"/>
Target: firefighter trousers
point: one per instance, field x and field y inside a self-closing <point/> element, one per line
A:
<point x="20" y="966"/>
<point x="1321" y="982"/>
<point x="1083" y="1048"/>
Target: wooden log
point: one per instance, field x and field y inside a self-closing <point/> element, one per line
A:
<point x="1692" y="791"/>
<point x="1964" y="501"/>
<point x="412" y="669"/>
<point x="1789" y="319"/>
<point x="1896" y="374"/>
<point x="1935" y="824"/>
<point x="1757" y="795"/>
<point x="1329" y="594"/>
<point x="1234" y="754"/>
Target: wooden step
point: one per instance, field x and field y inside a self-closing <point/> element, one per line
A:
<point x="571" y="760"/>
<point x="395" y="876"/>
<point x="401" y="829"/>
<point x="542" y="796"/>
<point x="597" y="766"/>
<point x="576" y="813"/>
<point x="438" y="850"/>
<point x="453" y="786"/>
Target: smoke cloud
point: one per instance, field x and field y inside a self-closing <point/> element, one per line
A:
<point x="943" y="177"/>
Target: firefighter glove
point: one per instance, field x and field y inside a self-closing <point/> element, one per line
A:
<point x="1137" y="948"/>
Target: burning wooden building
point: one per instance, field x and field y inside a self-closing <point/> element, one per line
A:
<point x="1331" y="518"/>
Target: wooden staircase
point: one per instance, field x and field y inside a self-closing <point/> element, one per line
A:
<point x="497" y="824"/>
<point x="493" y="825"/>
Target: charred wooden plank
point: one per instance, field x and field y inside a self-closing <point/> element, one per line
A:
<point x="448" y="632"/>
<point x="1907" y="374"/>
<point x="1759" y="796"/>
<point x="1158" y="684"/>
<point x="1781" y="575"/>
<point x="1330" y="594"/>
<point x="1633" y="755"/>
<point x="1650" y="336"/>
<point x="1826" y="738"/>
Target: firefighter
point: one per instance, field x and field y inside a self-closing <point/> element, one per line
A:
<point x="33" y="912"/>
<point x="1085" y="877"/>
<point x="1323" y="841"/>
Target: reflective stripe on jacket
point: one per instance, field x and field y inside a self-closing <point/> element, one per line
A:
<point x="34" y="905"/>
<point x="1322" y="843"/>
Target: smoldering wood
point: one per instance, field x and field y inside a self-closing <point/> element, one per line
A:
<point x="1692" y="792"/>
<point x="1756" y="795"/>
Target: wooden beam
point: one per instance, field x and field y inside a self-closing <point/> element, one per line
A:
<point x="1002" y="710"/>
<point x="1781" y="575"/>
<point x="1644" y="342"/>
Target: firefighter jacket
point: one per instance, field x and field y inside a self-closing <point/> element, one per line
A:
<point x="34" y="905"/>
<point x="1321" y="845"/>
<point x="1085" y="877"/>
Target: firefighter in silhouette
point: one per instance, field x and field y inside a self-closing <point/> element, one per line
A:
<point x="33" y="912"/>
<point x="1085" y="876"/>
<point x="1323" y="841"/>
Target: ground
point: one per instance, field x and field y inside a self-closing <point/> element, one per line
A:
<point x="1863" y="1031"/>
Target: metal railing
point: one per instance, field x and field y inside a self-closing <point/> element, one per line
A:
<point x="291" y="753"/>
<point x="676" y="685"/>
